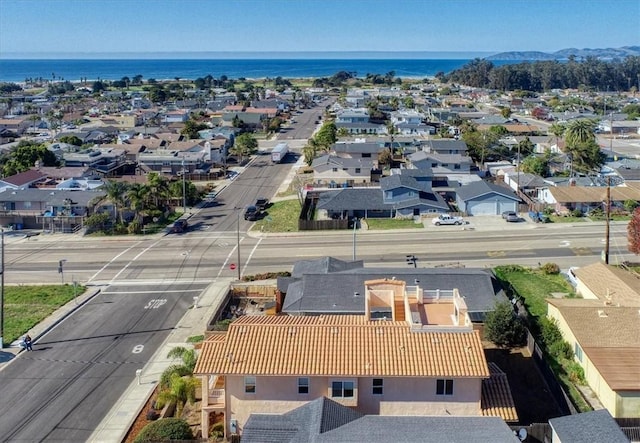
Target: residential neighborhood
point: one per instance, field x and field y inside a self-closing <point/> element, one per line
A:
<point x="314" y="347"/>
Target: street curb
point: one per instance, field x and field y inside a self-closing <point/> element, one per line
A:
<point x="64" y="316"/>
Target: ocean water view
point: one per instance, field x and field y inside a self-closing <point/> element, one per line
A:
<point x="17" y="70"/>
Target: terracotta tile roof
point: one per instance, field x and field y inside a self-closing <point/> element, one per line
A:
<point x="340" y="345"/>
<point x="496" y="396"/>
<point x="621" y="286"/>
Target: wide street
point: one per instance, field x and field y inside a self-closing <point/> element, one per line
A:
<point x="62" y="390"/>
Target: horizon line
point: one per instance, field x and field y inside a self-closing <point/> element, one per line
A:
<point x="238" y="54"/>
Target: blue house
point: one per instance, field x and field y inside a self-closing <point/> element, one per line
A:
<point x="483" y="198"/>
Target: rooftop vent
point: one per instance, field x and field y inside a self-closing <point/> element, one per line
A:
<point x="601" y="313"/>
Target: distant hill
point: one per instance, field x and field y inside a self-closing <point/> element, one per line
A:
<point x="564" y="54"/>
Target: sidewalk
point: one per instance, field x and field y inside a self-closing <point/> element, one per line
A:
<point x="117" y="422"/>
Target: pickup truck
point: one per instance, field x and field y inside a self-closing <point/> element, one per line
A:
<point x="446" y="219"/>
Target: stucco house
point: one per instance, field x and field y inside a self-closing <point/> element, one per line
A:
<point x="425" y="359"/>
<point x="441" y="164"/>
<point x="483" y="198"/>
<point x="603" y="330"/>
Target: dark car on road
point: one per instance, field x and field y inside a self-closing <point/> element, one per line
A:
<point x="180" y="226"/>
<point x="262" y="203"/>
<point x="251" y="213"/>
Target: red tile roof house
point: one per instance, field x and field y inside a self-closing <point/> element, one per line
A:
<point x="424" y="360"/>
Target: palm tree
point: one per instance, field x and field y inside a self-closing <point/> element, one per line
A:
<point x="579" y="131"/>
<point x="116" y="193"/>
<point x="557" y="129"/>
<point x="177" y="382"/>
<point x="158" y="189"/>
<point x="137" y="196"/>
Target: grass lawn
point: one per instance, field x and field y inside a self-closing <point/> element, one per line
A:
<point x="567" y="219"/>
<point x="391" y="223"/>
<point x="534" y="286"/>
<point x="281" y="216"/>
<point x="26" y="306"/>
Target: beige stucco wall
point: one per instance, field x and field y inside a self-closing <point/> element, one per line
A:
<point x="618" y="404"/>
<point x="402" y="396"/>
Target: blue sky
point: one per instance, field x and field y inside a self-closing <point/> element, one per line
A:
<point x="469" y="26"/>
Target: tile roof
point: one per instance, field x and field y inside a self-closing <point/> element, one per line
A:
<point x="340" y="345"/>
<point x="621" y="286"/>
<point x="496" y="396"/>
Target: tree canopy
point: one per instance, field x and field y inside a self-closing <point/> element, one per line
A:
<point x="503" y="327"/>
<point x="244" y="145"/>
<point x="24" y="157"/>
<point x="590" y="73"/>
<point x="633" y="232"/>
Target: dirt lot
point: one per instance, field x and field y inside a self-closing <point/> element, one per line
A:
<point x="533" y="401"/>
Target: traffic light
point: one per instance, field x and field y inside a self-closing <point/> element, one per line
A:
<point x="412" y="260"/>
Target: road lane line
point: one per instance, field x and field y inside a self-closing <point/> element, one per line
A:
<point x="112" y="260"/>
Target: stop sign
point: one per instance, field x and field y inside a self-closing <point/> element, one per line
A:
<point x="232" y="266"/>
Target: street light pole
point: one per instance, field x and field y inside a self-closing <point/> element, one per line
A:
<point x="184" y="190"/>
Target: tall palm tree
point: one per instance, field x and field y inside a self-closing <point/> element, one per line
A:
<point x="557" y="129"/>
<point x="158" y="189"/>
<point x="579" y="131"/>
<point x="137" y="196"/>
<point x="116" y="193"/>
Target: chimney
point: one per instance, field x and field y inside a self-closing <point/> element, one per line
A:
<point x="279" y="300"/>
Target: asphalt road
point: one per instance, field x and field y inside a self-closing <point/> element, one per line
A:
<point x="78" y="371"/>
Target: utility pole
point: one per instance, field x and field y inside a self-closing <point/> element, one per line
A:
<point x="184" y="191"/>
<point x="2" y="290"/>
<point x="238" y="244"/>
<point x="355" y="226"/>
<point x="412" y="260"/>
<point x="608" y="222"/>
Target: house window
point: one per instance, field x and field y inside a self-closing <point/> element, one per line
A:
<point x="345" y="169"/>
<point x="27" y="205"/>
<point x="578" y="351"/>
<point x="444" y="387"/>
<point x="342" y="389"/>
<point x="366" y="155"/>
<point x="303" y="385"/>
<point x="434" y="165"/>
<point x="250" y="385"/>
<point x="334" y="169"/>
<point x="378" y="386"/>
<point x="456" y="166"/>
<point x="358" y="170"/>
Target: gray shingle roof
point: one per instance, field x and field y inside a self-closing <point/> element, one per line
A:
<point x="323" y="420"/>
<point x="349" y="198"/>
<point x="594" y="427"/>
<point x="303" y="424"/>
<point x="479" y="188"/>
<point x="333" y="292"/>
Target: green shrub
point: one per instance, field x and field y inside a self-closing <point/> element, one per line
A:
<point x="503" y="327"/>
<point x="561" y="350"/>
<point x="550" y="268"/>
<point x="217" y="431"/>
<point x="512" y="268"/>
<point x="549" y="332"/>
<point x="576" y="213"/>
<point x="165" y="429"/>
<point x="576" y="373"/>
<point x="630" y="205"/>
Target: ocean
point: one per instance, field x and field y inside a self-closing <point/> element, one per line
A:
<point x="17" y="70"/>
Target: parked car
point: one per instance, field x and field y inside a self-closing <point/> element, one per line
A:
<point x="511" y="216"/>
<point x="262" y="203"/>
<point x="180" y="225"/>
<point x="446" y="219"/>
<point x="251" y="213"/>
